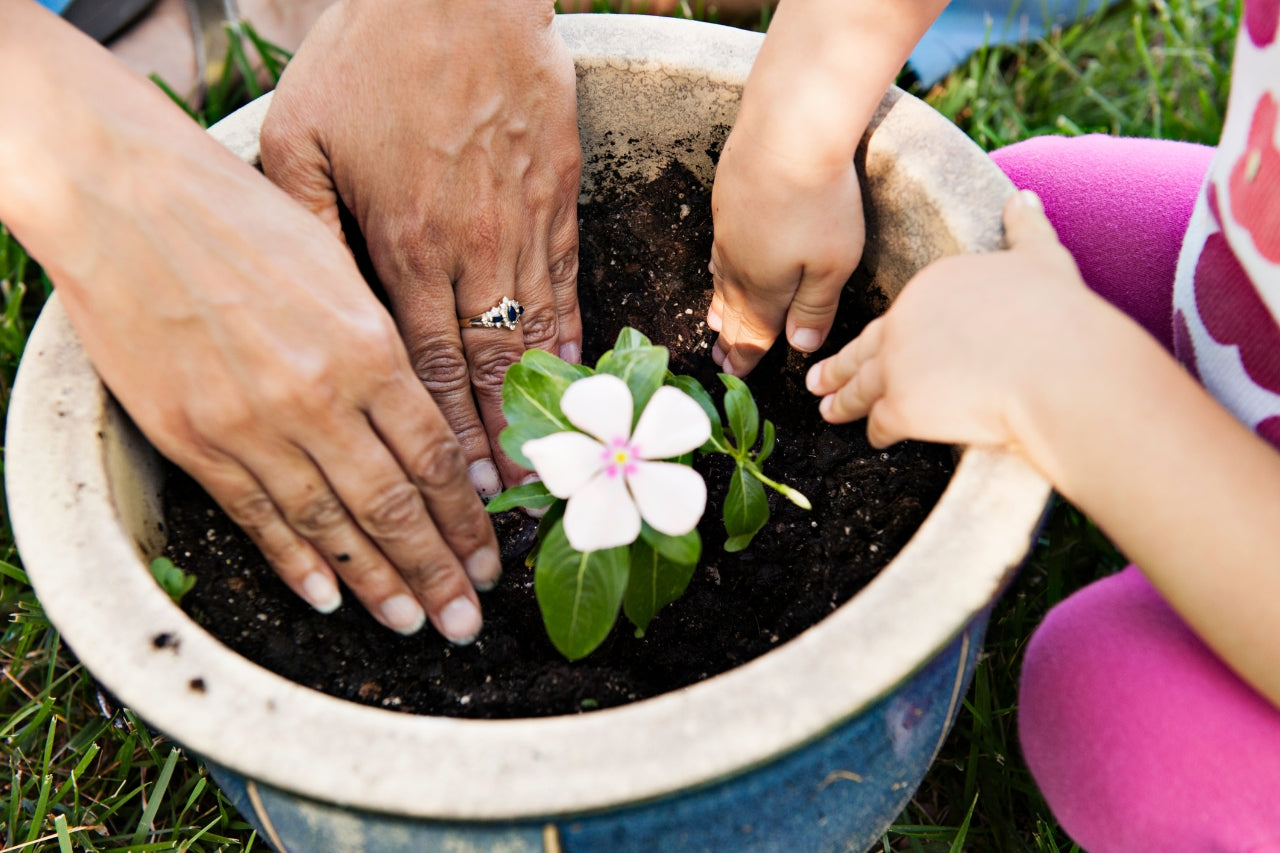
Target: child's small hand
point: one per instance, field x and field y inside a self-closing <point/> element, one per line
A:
<point x="968" y="344"/>
<point x="788" y="233"/>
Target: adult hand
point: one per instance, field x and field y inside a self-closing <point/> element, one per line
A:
<point x="972" y="344"/>
<point x="788" y="234"/>
<point x="238" y="334"/>
<point x="448" y="129"/>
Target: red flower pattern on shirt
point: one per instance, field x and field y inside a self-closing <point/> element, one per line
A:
<point x="1261" y="18"/>
<point x="1254" y="180"/>
<point x="1234" y="314"/>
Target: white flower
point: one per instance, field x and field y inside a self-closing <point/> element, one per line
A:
<point x="608" y="472"/>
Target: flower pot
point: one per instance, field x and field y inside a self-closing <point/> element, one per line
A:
<point x="816" y="745"/>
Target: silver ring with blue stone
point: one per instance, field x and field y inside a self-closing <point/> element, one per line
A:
<point x="505" y="315"/>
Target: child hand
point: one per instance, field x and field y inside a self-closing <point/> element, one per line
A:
<point x="787" y="236"/>
<point x="969" y="342"/>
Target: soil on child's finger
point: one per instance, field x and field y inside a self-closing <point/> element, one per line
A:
<point x="643" y="263"/>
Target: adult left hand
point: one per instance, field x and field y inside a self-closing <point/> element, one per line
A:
<point x="448" y="128"/>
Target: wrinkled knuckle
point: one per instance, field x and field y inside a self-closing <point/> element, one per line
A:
<point x="563" y="268"/>
<point x="541" y="331"/>
<point x="435" y="579"/>
<point x="319" y="515"/>
<point x="442" y="369"/>
<point x="467" y="531"/>
<point x="252" y="510"/>
<point x="489" y="368"/>
<point x="392" y="510"/>
<point x="440" y="463"/>
<point x="470" y="432"/>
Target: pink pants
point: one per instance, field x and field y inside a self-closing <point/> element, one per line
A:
<point x="1140" y="738"/>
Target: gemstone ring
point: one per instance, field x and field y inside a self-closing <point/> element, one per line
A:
<point x="506" y="314"/>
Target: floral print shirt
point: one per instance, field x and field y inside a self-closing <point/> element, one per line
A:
<point x="1227" y="293"/>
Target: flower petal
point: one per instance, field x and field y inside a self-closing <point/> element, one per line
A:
<point x="671" y="497"/>
<point x="671" y="424"/>
<point x="601" y="515"/>
<point x="564" y="460"/>
<point x="600" y="405"/>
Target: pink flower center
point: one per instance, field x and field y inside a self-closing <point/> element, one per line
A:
<point x="619" y="457"/>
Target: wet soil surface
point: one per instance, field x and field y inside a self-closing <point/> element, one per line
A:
<point x="643" y="264"/>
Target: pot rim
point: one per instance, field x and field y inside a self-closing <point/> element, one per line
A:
<point x="272" y="730"/>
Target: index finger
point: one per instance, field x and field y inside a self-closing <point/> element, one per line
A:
<point x="421" y="439"/>
<point x="748" y="326"/>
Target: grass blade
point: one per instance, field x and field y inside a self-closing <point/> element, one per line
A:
<point x="157" y="796"/>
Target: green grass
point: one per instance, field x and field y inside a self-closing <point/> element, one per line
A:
<point x="79" y="774"/>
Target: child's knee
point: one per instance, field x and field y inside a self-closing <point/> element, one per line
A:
<point x="1121" y="207"/>
<point x="1139" y="738"/>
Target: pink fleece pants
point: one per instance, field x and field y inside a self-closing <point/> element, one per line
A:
<point x="1140" y="738"/>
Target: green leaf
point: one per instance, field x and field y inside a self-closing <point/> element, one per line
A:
<point x="766" y="448"/>
<point x="746" y="509"/>
<point x="653" y="582"/>
<point x="694" y="389"/>
<point x="681" y="549"/>
<point x="531" y="394"/>
<point x="174" y="581"/>
<point x="541" y="361"/>
<point x="532" y="495"/>
<point x="630" y="338"/>
<point x="744" y="417"/>
<point x="578" y="594"/>
<point x="643" y="370"/>
<point x="531" y="405"/>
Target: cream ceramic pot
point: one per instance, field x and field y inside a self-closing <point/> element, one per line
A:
<point x="817" y="745"/>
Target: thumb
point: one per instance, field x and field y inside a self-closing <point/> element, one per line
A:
<point x="1025" y="223"/>
<point x="294" y="161"/>
<point x="813" y="309"/>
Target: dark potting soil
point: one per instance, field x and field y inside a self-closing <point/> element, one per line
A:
<point x="643" y="264"/>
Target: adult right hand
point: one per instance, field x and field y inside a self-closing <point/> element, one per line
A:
<point x="238" y="334"/>
<point x="448" y="128"/>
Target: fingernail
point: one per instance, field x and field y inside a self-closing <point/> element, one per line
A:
<point x="484" y="568"/>
<point x="713" y="320"/>
<point x="460" y="621"/>
<point x="717" y="354"/>
<point x="571" y="352"/>
<point x="827" y="404"/>
<point x="1028" y="200"/>
<point x="534" y="512"/>
<point x="806" y="340"/>
<point x="321" y="592"/>
<point x="484" y="476"/>
<point x="403" y="614"/>
<point x="813" y="379"/>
